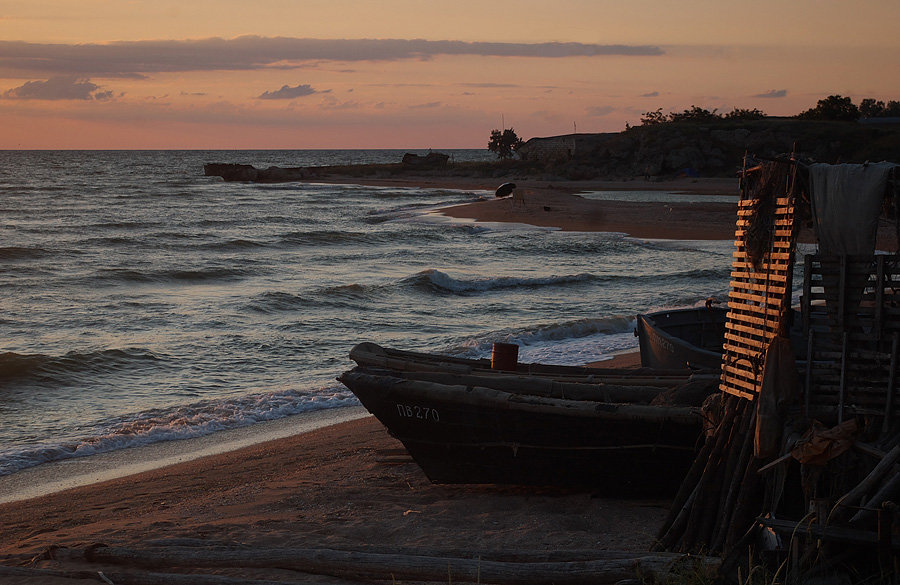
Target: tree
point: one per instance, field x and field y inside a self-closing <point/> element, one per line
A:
<point x="504" y="143"/>
<point x="695" y="114"/>
<point x="654" y="117"/>
<point x="871" y="108"/>
<point x="834" y="107"/>
<point x="745" y="114"/>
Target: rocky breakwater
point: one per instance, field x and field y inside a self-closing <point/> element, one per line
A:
<point x="248" y="173"/>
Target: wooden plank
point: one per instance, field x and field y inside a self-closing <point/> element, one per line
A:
<point x="739" y="317"/>
<point x="751" y="271"/>
<point x="779" y="222"/>
<point x="778" y="233"/>
<point x="773" y="256"/>
<point x="742" y="378"/>
<point x="780" y="276"/>
<point x="759" y="344"/>
<point x="777" y="244"/>
<point x="766" y="333"/>
<point x="735" y="392"/>
<point x="743" y="352"/>
<point x="762" y="300"/>
<point x="739" y="305"/>
<point x="779" y="202"/>
<point x="770" y="288"/>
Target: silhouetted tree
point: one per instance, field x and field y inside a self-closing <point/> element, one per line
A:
<point x="654" y="117"/>
<point x="504" y="143"/>
<point x="695" y="114"/>
<point x="871" y="108"/>
<point x="834" y="107"/>
<point x="745" y="114"/>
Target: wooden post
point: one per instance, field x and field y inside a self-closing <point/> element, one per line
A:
<point x="809" y="363"/>
<point x="892" y="376"/>
<point x="842" y="294"/>
<point x="879" y="298"/>
<point x="885" y="528"/>
<point x="806" y="301"/>
<point x="843" y="377"/>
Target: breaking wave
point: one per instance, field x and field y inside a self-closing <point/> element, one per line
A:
<point x="441" y="281"/>
<point x="181" y="422"/>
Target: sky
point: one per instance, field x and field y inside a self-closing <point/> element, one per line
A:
<point x="223" y="74"/>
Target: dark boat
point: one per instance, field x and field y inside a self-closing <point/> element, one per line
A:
<point x="372" y="354"/>
<point x="612" y="434"/>
<point x="682" y="338"/>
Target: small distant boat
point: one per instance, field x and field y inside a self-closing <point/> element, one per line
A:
<point x="616" y="432"/>
<point x="682" y="338"/>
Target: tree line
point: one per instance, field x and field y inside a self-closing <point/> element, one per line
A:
<point x="834" y="107"/>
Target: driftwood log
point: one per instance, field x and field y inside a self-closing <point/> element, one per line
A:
<point x="369" y="566"/>
<point x="133" y="578"/>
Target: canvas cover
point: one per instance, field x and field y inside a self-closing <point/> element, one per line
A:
<point x="846" y="203"/>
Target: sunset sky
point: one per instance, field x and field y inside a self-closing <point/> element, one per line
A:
<point x="124" y="74"/>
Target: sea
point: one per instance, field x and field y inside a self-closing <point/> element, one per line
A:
<point x="142" y="302"/>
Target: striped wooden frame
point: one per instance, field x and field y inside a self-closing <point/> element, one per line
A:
<point x="758" y="299"/>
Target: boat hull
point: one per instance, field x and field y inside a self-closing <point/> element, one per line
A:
<point x="682" y="338"/>
<point x="466" y="434"/>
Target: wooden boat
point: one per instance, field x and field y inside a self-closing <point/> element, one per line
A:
<point x="682" y="338"/>
<point x="372" y="354"/>
<point x="571" y="429"/>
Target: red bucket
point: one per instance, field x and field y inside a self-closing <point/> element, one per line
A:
<point x="505" y="356"/>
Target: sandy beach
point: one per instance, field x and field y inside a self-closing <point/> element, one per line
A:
<point x="347" y="486"/>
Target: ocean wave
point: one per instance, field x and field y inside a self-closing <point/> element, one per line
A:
<point x="441" y="281"/>
<point x="356" y="291"/>
<point x="181" y="422"/>
<point x="332" y="238"/>
<point x="129" y="275"/>
<point x="480" y="346"/>
<point x="14" y="366"/>
<point x="21" y="253"/>
<point x="273" y="302"/>
<point x="236" y="244"/>
<point x="346" y="296"/>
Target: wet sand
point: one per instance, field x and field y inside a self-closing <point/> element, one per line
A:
<point x="558" y="205"/>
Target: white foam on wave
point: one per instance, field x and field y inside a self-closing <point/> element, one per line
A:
<point x="462" y="285"/>
<point x="571" y="343"/>
<point x="180" y="422"/>
<point x="70" y="473"/>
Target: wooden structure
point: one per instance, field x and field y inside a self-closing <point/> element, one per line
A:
<point x="826" y="483"/>
<point x="761" y="277"/>
<point x="851" y="318"/>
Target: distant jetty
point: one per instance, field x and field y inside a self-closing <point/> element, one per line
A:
<point x="249" y="173"/>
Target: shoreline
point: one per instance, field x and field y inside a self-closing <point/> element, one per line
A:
<point x="558" y="205"/>
<point x="348" y="486"/>
<point x="58" y="476"/>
